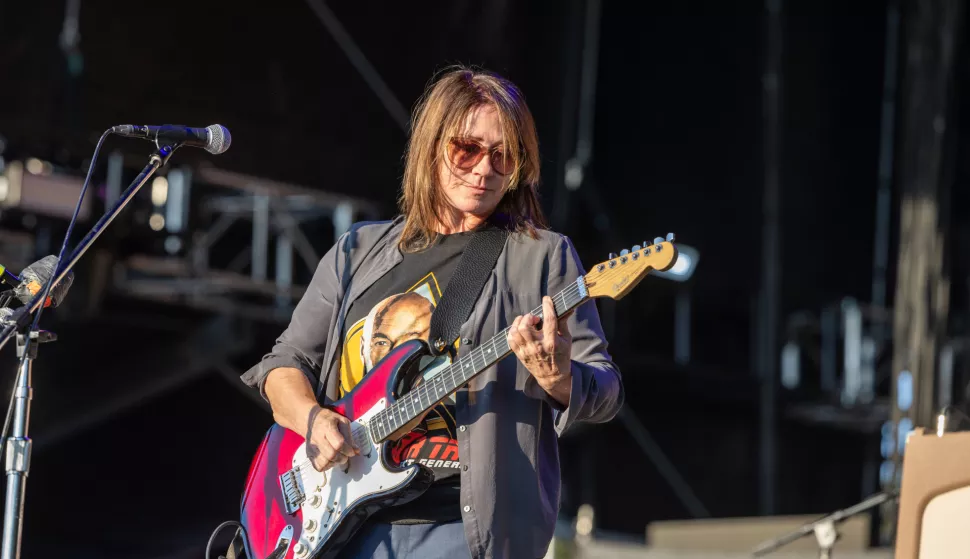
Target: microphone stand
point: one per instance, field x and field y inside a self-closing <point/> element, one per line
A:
<point x="19" y="445"/>
<point x="824" y="529"/>
<point x="21" y="317"/>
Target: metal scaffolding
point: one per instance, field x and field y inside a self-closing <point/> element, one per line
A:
<point x="276" y="214"/>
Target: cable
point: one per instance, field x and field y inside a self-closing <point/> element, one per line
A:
<point x="357" y="58"/>
<point x="208" y="546"/>
<point x="47" y="291"/>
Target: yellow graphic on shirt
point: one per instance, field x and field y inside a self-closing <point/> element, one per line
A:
<point x="391" y="322"/>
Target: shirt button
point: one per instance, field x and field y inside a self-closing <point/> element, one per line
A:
<point x="461" y="428"/>
<point x="467" y="508"/>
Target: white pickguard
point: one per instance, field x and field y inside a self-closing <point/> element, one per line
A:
<point x="331" y="494"/>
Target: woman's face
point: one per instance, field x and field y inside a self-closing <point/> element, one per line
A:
<point x="473" y="189"/>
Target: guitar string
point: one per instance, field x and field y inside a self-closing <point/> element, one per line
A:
<point x="567" y="292"/>
<point x="424" y="390"/>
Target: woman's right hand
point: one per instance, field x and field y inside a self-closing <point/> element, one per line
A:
<point x="328" y="439"/>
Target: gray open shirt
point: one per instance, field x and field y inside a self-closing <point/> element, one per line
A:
<point x="508" y="426"/>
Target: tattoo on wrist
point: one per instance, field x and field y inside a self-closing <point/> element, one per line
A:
<point x="311" y="449"/>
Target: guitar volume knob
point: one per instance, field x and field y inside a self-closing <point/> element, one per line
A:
<point x="300" y="549"/>
<point x="310" y="525"/>
<point x="316" y="501"/>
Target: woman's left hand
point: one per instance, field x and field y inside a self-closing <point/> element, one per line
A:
<point x="545" y="352"/>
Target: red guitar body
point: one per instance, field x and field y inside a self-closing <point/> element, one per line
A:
<point x="289" y="510"/>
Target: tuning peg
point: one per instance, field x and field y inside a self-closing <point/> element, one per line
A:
<point x="624" y="252"/>
<point x="612" y="256"/>
<point x="636" y="248"/>
<point x="670" y="237"/>
<point x="657" y="240"/>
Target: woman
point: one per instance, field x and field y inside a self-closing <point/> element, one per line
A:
<point x="472" y="162"/>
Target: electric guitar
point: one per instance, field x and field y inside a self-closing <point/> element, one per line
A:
<point x="290" y="510"/>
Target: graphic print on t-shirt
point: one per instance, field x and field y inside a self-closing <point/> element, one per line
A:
<point x="392" y="321"/>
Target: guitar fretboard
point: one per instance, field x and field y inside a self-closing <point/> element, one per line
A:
<point x="453" y="377"/>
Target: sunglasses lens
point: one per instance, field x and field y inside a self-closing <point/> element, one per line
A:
<point x="465" y="155"/>
<point x="501" y="163"/>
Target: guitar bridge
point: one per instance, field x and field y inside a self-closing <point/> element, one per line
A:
<point x="293" y="494"/>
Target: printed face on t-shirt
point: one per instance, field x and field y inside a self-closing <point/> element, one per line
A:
<point x="394" y="320"/>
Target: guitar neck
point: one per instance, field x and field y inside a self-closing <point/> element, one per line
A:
<point x="456" y="375"/>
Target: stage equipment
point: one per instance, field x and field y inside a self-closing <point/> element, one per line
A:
<point x="20" y="325"/>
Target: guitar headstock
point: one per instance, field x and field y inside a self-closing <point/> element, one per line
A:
<point x="615" y="277"/>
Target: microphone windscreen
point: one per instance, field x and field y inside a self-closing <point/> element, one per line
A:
<point x="35" y="277"/>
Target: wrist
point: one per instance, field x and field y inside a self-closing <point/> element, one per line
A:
<point x="291" y="398"/>
<point x="297" y="416"/>
<point x="560" y="388"/>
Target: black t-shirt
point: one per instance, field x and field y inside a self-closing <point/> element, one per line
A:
<point x="395" y="309"/>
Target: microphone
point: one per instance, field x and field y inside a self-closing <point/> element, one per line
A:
<point x="33" y="279"/>
<point x="214" y="139"/>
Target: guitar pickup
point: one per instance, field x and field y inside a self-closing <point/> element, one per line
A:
<point x="292" y="486"/>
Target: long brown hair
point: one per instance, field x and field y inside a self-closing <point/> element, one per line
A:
<point x="440" y="115"/>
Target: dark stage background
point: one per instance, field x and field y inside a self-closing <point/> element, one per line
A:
<point x="143" y="434"/>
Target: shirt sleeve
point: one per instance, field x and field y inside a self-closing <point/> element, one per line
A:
<point x="303" y="344"/>
<point x="597" y="387"/>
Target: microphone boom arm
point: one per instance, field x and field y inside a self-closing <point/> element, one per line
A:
<point x="21" y="317"/>
<point x="824" y="528"/>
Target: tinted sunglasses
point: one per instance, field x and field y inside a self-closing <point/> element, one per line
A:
<point x="465" y="154"/>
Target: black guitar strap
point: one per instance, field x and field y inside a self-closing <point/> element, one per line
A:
<point x="465" y="286"/>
